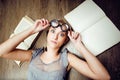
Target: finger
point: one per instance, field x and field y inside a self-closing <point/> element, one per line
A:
<point x="70" y="30"/>
<point x="47" y="22"/>
<point x="43" y="22"/>
<point x="76" y="35"/>
<point x="38" y="22"/>
<point x="47" y="25"/>
<point x="72" y="35"/>
<point x="69" y="35"/>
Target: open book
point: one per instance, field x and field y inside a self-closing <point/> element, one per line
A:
<point x="97" y="31"/>
<point x="24" y="24"/>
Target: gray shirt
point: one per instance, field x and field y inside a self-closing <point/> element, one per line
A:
<point x="56" y="70"/>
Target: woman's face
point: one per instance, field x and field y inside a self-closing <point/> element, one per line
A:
<point x="56" y="37"/>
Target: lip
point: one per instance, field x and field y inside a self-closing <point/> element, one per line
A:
<point x="53" y="41"/>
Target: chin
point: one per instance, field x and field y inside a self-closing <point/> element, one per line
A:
<point x="54" y="46"/>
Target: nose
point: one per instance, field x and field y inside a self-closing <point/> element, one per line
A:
<point x="55" y="36"/>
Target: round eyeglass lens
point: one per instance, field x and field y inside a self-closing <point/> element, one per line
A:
<point x="54" y="23"/>
<point x="65" y="27"/>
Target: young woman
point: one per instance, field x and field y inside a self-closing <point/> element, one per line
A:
<point x="51" y="63"/>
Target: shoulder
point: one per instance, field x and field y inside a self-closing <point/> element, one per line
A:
<point x="71" y="56"/>
<point x="36" y="51"/>
<point x="66" y="53"/>
<point x="64" y="57"/>
<point x="73" y="59"/>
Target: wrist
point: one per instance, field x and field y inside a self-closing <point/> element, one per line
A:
<point x="34" y="30"/>
<point x="30" y="31"/>
<point x="81" y="47"/>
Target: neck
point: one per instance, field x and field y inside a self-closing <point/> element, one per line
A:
<point x="52" y="51"/>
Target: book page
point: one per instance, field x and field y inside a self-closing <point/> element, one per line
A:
<point x="25" y="23"/>
<point x="22" y="46"/>
<point x="101" y="36"/>
<point x="85" y="15"/>
<point x="28" y="41"/>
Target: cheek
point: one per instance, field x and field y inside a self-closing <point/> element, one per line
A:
<point x="49" y="34"/>
<point x="62" y="40"/>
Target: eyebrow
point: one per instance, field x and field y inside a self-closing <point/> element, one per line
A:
<point x="60" y="31"/>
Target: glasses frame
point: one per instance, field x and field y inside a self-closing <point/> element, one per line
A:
<point x="59" y="24"/>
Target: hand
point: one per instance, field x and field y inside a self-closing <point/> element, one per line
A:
<point x="40" y="25"/>
<point x="75" y="37"/>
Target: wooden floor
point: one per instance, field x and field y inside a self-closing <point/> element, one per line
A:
<point x="11" y="11"/>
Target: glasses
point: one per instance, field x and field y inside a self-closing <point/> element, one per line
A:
<point x="57" y="23"/>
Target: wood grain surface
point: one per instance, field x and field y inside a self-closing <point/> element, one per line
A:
<point x="11" y="11"/>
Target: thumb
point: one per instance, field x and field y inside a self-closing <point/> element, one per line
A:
<point x="47" y="25"/>
<point x="69" y="34"/>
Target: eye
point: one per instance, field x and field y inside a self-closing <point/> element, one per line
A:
<point x="62" y="34"/>
<point x="53" y="31"/>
